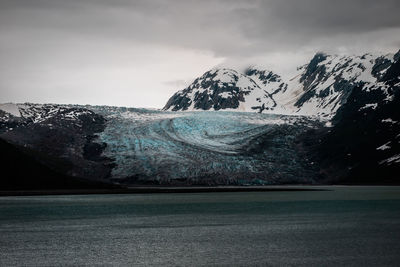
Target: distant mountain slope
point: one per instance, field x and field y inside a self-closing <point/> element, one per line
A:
<point x="318" y="88"/>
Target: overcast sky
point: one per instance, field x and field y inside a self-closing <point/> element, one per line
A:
<point x="138" y="53"/>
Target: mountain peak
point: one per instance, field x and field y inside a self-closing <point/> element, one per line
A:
<point x="219" y="88"/>
<point x="319" y="87"/>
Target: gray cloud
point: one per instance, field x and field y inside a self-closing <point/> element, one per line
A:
<point x="177" y="83"/>
<point x="206" y="24"/>
<point x="224" y="27"/>
<point x="67" y="38"/>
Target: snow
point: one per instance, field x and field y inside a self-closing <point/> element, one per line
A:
<point x="225" y="75"/>
<point x="389" y="120"/>
<point x="373" y="106"/>
<point x="225" y="94"/>
<point x="391" y="160"/>
<point x="11" y="109"/>
<point x="384" y="146"/>
<point x="39" y="113"/>
<point x="259" y="92"/>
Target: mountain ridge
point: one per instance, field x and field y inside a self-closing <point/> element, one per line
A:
<point x="317" y="88"/>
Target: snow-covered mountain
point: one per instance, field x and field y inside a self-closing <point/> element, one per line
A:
<point x="336" y="120"/>
<point x="318" y="88"/>
<point x="222" y="89"/>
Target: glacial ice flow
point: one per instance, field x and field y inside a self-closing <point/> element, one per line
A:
<point x="226" y="146"/>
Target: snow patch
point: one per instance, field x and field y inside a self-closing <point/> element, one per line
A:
<point x="225" y="94"/>
<point x="391" y="160"/>
<point x="384" y="146"/>
<point x="373" y="106"/>
<point x="389" y="120"/>
<point x="11" y="109"/>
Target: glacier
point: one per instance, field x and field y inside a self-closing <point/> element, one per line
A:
<point x="204" y="147"/>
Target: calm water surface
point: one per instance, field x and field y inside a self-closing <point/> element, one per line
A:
<point x="352" y="226"/>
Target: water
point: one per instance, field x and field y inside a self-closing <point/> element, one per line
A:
<point x="350" y="226"/>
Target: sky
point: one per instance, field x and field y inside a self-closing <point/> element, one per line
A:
<point x="137" y="53"/>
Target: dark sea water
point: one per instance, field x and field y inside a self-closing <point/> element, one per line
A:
<point x="351" y="226"/>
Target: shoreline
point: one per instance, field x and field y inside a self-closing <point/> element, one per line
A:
<point x="183" y="189"/>
<point x="159" y="190"/>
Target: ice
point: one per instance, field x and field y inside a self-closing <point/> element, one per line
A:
<point x="163" y="145"/>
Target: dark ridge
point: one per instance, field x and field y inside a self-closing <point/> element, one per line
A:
<point x="312" y="67"/>
<point x="347" y="153"/>
<point x="392" y="75"/>
<point x="21" y="171"/>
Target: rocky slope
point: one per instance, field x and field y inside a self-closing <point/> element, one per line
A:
<point x="364" y="144"/>
<point x="22" y="171"/>
<point x="59" y="136"/>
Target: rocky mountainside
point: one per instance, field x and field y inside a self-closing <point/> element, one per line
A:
<point x="22" y="171"/>
<point x="318" y="88"/>
<point x="224" y="89"/>
<point x="365" y="141"/>
<point x="336" y="121"/>
<point x="59" y="136"/>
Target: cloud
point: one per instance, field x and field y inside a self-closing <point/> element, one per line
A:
<point x="177" y="83"/>
<point x="88" y="44"/>
<point x="227" y="28"/>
